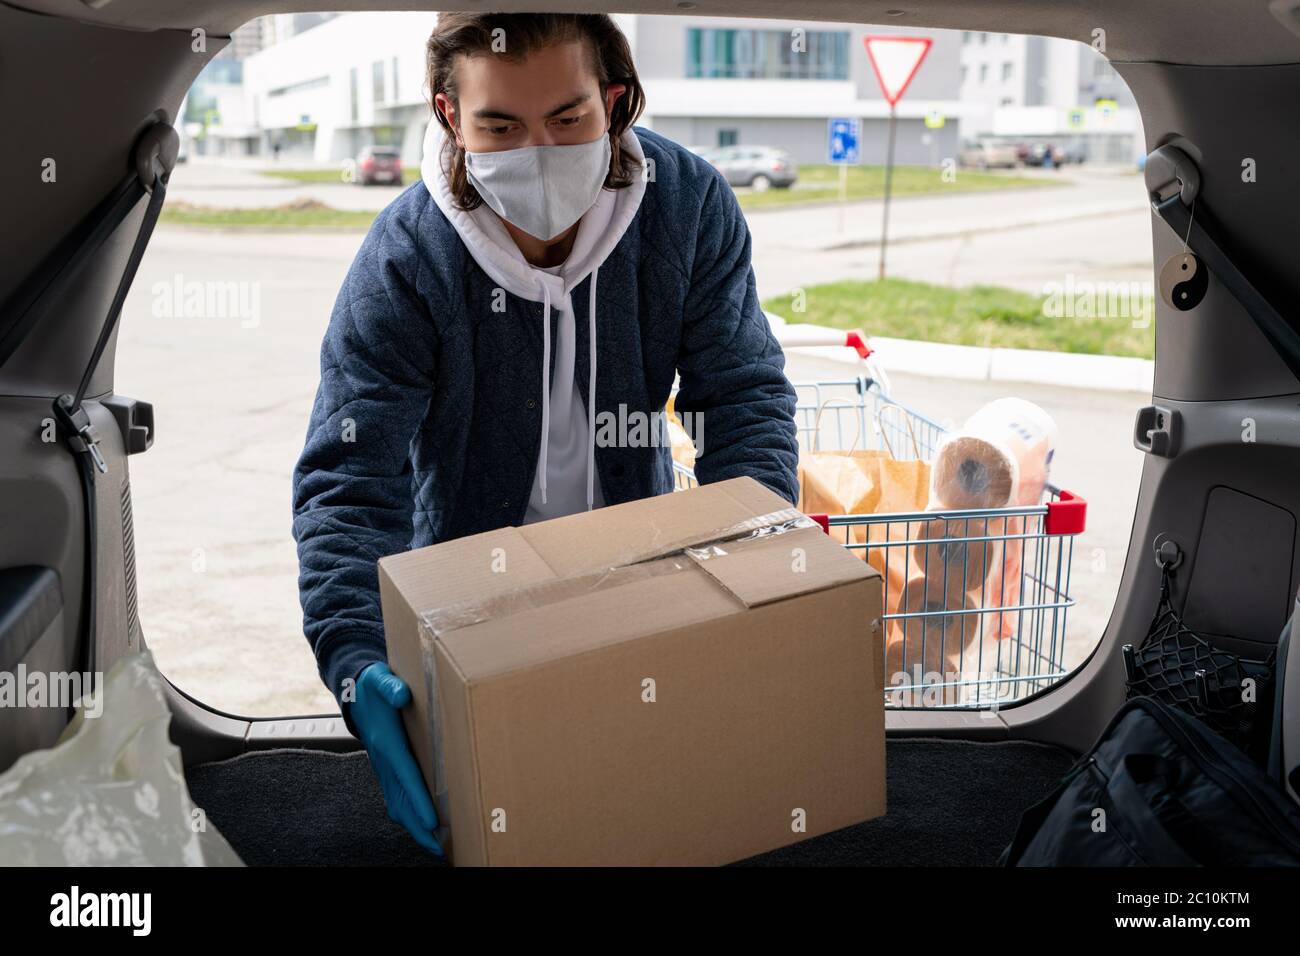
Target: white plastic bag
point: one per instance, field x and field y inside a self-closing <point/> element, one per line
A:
<point x="112" y="791"/>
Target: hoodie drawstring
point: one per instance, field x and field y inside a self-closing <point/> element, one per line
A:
<point x="591" y="389"/>
<point x="546" y="384"/>
<point x="591" y="393"/>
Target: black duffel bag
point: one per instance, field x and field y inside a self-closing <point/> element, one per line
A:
<point x="1160" y="788"/>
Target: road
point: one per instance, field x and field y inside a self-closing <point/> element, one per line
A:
<point x="1012" y="238"/>
<point x="217" y="566"/>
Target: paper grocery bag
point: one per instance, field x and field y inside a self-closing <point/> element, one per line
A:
<point x="868" y="482"/>
<point x="683" y="447"/>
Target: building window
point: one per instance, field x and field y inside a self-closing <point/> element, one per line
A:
<point x="964" y="70"/>
<point x="984" y="72"/>
<point x="352" y="80"/>
<point x="728" y="137"/>
<point x="1006" y="71"/>
<point x="984" y="38"/>
<point x="396" y="95"/>
<point x="766" y="55"/>
<point x="378" y="74"/>
<point x="965" y="37"/>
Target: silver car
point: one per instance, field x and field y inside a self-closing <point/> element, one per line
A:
<point x="759" y="167"/>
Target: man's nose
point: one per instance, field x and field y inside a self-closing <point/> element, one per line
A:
<point x="542" y="135"/>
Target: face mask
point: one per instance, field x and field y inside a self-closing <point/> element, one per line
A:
<point x="542" y="190"/>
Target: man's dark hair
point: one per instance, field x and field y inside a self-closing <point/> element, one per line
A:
<point x="472" y="34"/>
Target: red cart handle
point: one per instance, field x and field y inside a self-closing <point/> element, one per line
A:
<point x="858" y="342"/>
<point x="1067" y="515"/>
<point x="823" y="520"/>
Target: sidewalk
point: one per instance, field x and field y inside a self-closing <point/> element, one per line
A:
<point x="243" y="186"/>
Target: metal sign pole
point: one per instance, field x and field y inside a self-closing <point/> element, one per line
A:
<point x="895" y="60"/>
<point x="889" y="178"/>
<point x="844" y="192"/>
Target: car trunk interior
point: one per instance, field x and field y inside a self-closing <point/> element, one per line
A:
<point x="1217" y="79"/>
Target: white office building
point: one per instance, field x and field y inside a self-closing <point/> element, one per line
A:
<point x="322" y="90"/>
<point x="721" y="82"/>
<point x="358" y="79"/>
<point x="353" y="81"/>
<point x="1044" y="89"/>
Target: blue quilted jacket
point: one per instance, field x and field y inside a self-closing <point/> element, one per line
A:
<point x="427" y="422"/>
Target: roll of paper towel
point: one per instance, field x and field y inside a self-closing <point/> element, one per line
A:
<point x="1000" y="457"/>
<point x="939" y="645"/>
<point x="954" y="555"/>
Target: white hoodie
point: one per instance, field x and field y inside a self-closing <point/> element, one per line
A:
<point x="565" y="480"/>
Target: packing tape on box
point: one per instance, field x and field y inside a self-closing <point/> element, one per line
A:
<point x="735" y="545"/>
<point x="453" y="617"/>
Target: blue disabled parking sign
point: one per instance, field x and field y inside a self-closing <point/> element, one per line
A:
<point x="842" y="141"/>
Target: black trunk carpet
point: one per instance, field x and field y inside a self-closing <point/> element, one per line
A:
<point x="951" y="803"/>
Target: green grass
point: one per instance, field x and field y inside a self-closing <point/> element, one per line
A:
<point x="300" y="215"/>
<point x="819" y="183"/>
<point x="981" y="315"/>
<point x="409" y="175"/>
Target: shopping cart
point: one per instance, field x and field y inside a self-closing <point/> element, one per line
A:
<point x="967" y="625"/>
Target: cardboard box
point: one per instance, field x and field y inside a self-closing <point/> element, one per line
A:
<point x="650" y="683"/>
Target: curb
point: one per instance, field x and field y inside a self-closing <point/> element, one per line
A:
<point x="1029" y="222"/>
<point x="975" y="363"/>
<point x="794" y="206"/>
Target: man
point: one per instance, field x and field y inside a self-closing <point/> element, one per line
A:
<point x="551" y="254"/>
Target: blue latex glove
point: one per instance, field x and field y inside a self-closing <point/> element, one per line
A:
<point x="381" y="694"/>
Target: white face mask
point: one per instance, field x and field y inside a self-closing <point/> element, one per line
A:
<point x="542" y="190"/>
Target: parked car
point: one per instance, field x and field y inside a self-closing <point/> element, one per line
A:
<point x="989" y="156"/>
<point x="1037" y="154"/>
<point x="759" y="167"/>
<point x="379" y="164"/>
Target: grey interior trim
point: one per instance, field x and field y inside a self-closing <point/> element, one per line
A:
<point x="148" y="74"/>
<point x="205" y="734"/>
<point x="41" y="511"/>
<point x="1290" y="725"/>
<point x="24" y="729"/>
<point x="31" y="638"/>
<point x="1172" y="31"/>
<point x="30" y="600"/>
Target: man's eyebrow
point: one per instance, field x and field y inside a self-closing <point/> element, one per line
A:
<point x="565" y="107"/>
<point x="511" y="118"/>
<point x="496" y="114"/>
